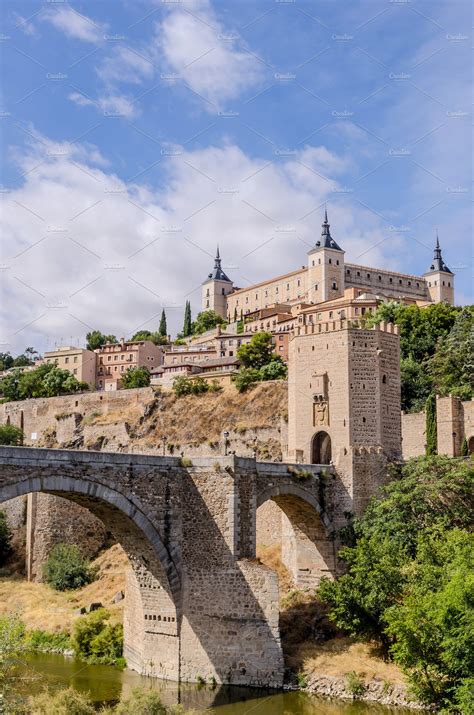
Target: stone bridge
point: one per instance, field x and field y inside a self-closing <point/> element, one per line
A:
<point x="198" y="602"/>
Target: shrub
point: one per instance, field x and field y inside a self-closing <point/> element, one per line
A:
<point x="186" y="462"/>
<point x="67" y="569"/>
<point x="64" y="702"/>
<point x="97" y="641"/>
<point x="355" y="685"/>
<point x="11" y="435"/>
<point x="135" y="377"/>
<point x="38" y="640"/>
<point x="274" y="370"/>
<point x="245" y="377"/>
<point x="5" y="537"/>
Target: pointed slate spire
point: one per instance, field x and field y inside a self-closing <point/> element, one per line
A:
<point x="438" y="263"/>
<point x="327" y="240"/>
<point x="218" y="274"/>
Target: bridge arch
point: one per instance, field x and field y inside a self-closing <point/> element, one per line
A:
<point x="289" y="515"/>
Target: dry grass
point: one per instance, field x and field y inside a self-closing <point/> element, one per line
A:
<point x="340" y="656"/>
<point x="43" y="608"/>
<point x="201" y="418"/>
<point x="130" y="414"/>
<point x="271" y="557"/>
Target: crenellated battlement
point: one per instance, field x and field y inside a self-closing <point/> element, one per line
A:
<point x="332" y="326"/>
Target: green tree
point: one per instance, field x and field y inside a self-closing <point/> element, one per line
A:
<point x="416" y="384"/>
<point x="394" y="590"/>
<point x="6" y="361"/>
<point x="452" y="365"/>
<point x="245" y="377"/>
<point x="276" y="369"/>
<point x="155" y="338"/>
<point x="431" y="426"/>
<point x="433" y="627"/>
<point x="47" y="380"/>
<point x="96" y="640"/>
<point x="163" y="330"/>
<point x="66" y="568"/>
<point x="136" y="377"/>
<point x="95" y="339"/>
<point x="188" y="325"/>
<point x="258" y="352"/>
<point x="207" y="320"/>
<point x="12" y="641"/>
<point x="11" y="435"/>
<point x="22" y="361"/>
<point x="5" y="538"/>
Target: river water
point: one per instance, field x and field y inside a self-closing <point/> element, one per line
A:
<point x="106" y="684"/>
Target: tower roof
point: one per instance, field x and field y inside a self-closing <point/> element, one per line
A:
<point x="438" y="263"/>
<point x="327" y="240"/>
<point x="217" y="274"/>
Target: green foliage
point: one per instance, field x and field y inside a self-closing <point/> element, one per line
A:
<point x="301" y="679"/>
<point x="47" y="380"/>
<point x="64" y="702"/>
<point x="12" y="640"/>
<point x="433" y="627"/>
<point x="355" y="685"/>
<point x="245" y="377"/>
<point x="207" y="320"/>
<point x="240" y="326"/>
<point x="163" y="330"/>
<point x="407" y="583"/>
<point x="464" y="448"/>
<point x="11" y="435"/>
<point x="97" y="641"/>
<point x="155" y="338"/>
<point x="259" y="362"/>
<point x="452" y="366"/>
<point x="67" y="569"/>
<point x="95" y="339"/>
<point x="5" y="537"/>
<point x="431" y="426"/>
<point x="416" y="384"/>
<point x="258" y="352"/>
<point x="196" y="386"/>
<point x="6" y="361"/>
<point x="135" y="377"/>
<point x="437" y="349"/>
<point x="43" y="641"/>
<point x="188" y="324"/>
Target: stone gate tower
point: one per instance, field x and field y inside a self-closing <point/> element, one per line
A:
<point x="344" y="406"/>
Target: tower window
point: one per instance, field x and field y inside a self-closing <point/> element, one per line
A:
<point x="380" y="278"/>
<point x="330" y="260"/>
<point x="334" y="285"/>
<point x="368" y="275"/>
<point x="391" y="280"/>
<point x="348" y="271"/>
<point x="400" y="281"/>
<point x="337" y="262"/>
<point x="223" y="291"/>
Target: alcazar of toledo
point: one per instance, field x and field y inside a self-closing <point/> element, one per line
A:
<point x="327" y="287"/>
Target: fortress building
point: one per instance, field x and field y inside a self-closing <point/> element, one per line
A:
<point x="326" y="279"/>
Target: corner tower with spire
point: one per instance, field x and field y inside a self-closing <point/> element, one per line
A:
<point x="325" y="267"/>
<point x="215" y="289"/>
<point x="439" y="279"/>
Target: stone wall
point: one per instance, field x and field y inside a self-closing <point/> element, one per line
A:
<point x="455" y="422"/>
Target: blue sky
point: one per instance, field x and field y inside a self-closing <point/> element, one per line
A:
<point x="137" y="135"/>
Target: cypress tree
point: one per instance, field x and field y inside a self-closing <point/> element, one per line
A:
<point x="464" y="448"/>
<point x="163" y="329"/>
<point x="187" y="327"/>
<point x="431" y="430"/>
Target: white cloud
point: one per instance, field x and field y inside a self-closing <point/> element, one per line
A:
<point x="125" y="65"/>
<point x="109" y="105"/>
<point x="74" y="24"/>
<point x="204" y="53"/>
<point x="87" y="250"/>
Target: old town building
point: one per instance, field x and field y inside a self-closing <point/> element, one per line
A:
<point x="114" y="359"/>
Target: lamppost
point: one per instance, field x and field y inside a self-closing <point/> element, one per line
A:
<point x="225" y="434"/>
<point x="164" y="446"/>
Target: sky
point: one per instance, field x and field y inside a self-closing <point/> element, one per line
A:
<point x="138" y="134"/>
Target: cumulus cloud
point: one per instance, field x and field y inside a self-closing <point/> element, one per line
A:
<point x="88" y="250"/>
<point x="198" y="48"/>
<point x="73" y="24"/>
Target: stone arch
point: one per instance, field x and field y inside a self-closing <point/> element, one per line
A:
<point x="153" y="590"/>
<point x="470" y="445"/>
<point x="303" y="531"/>
<point x="321" y="449"/>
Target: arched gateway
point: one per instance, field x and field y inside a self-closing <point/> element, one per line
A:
<point x="197" y="603"/>
<point x="321" y="452"/>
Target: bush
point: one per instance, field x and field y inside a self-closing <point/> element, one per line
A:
<point x="245" y="377"/>
<point x="5" y="538"/>
<point x="97" y="641"/>
<point x="67" y="569"/>
<point x="135" y="377"/>
<point x="355" y="685"/>
<point x="11" y="435"/>
<point x="142" y="702"/>
<point x="64" y="702"/>
<point x="42" y="641"/>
